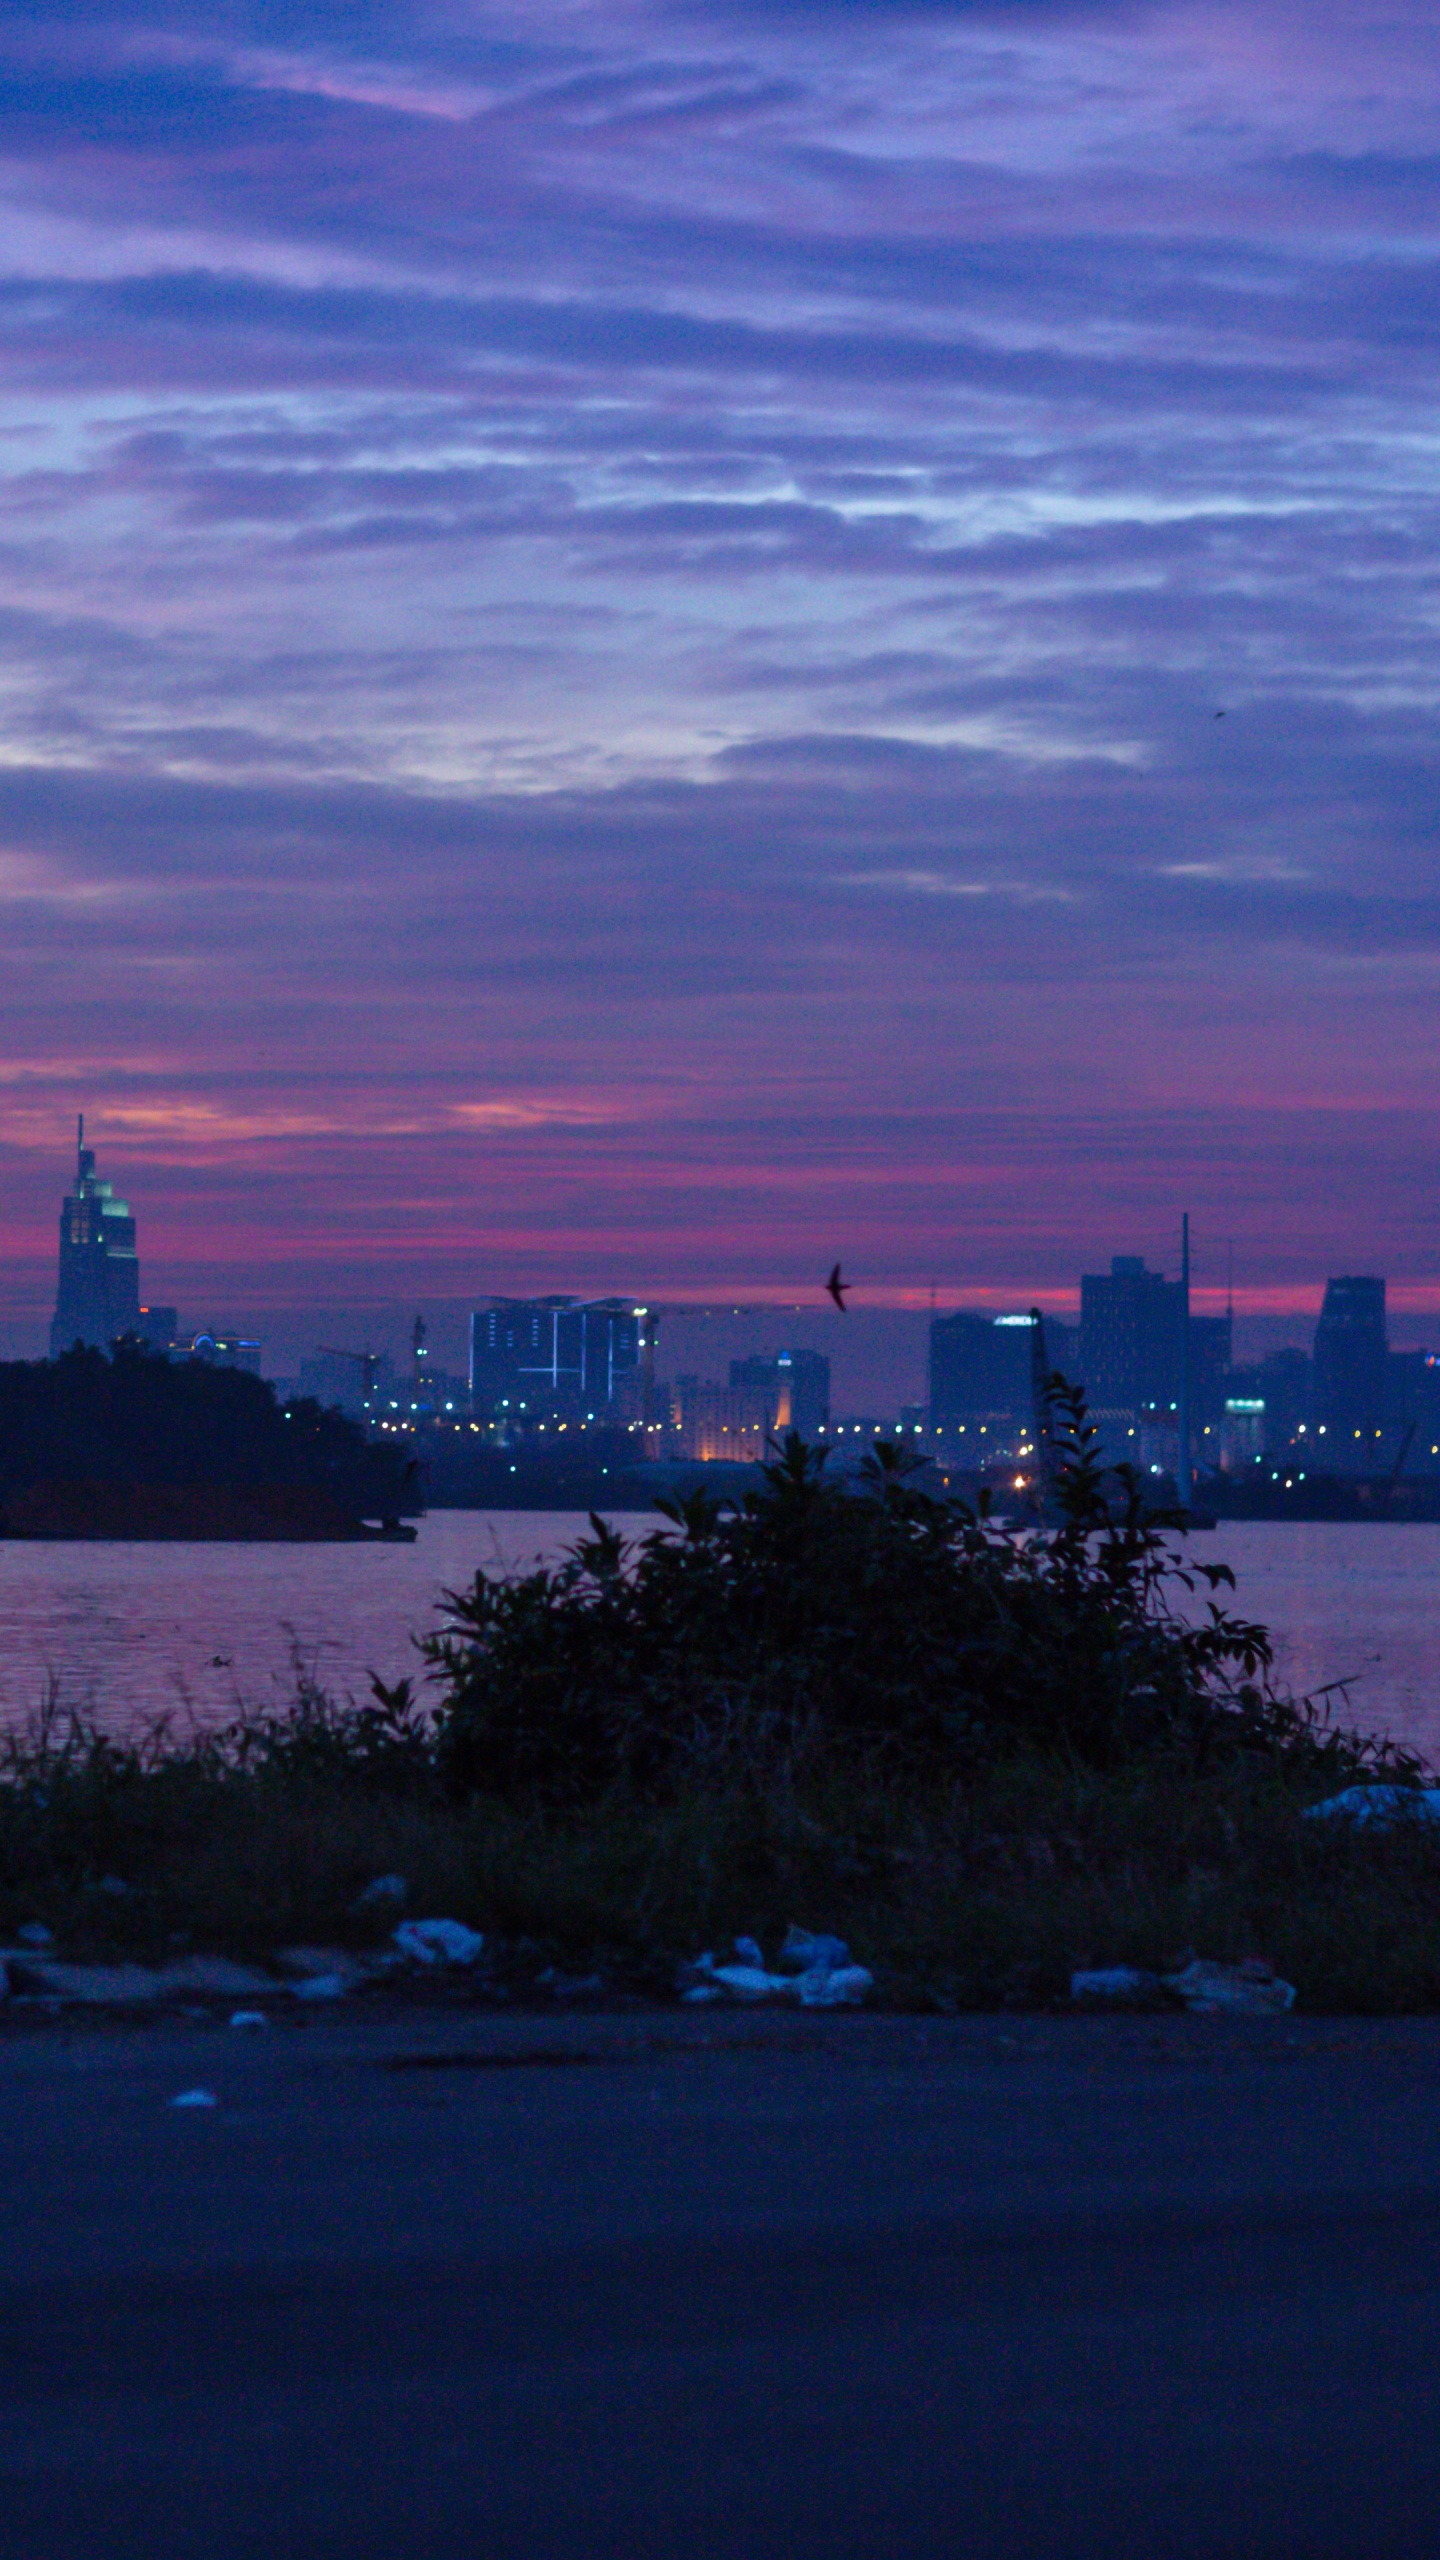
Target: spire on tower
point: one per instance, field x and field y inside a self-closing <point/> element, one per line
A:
<point x="98" y="1297"/>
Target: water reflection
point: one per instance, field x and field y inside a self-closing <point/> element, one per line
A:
<point x="135" y="1631"/>
<point x="129" y="1632"/>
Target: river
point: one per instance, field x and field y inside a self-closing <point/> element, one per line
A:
<point x="128" y="1632"/>
<point x="132" y="1632"/>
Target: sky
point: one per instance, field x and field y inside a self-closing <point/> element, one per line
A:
<point x="643" y="645"/>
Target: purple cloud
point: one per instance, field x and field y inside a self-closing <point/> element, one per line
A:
<point x="619" y="614"/>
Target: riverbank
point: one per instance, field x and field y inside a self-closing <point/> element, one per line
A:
<point x="984" y="1895"/>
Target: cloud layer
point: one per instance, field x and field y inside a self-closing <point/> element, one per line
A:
<point x="640" y="644"/>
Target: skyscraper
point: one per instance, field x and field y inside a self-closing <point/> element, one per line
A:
<point x="98" y="1297"/>
<point x="789" y="1390"/>
<point x="1351" y="1346"/>
<point x="980" y="1379"/>
<point x="1130" y="1338"/>
<point x="577" y="1357"/>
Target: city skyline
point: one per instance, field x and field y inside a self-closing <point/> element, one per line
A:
<point x="876" y="1357"/>
<point x="661" y="643"/>
<point x="1166" y="1387"/>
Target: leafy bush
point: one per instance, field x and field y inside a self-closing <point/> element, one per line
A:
<point x="814" y="1623"/>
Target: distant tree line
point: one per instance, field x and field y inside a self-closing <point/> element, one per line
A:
<point x="134" y="1425"/>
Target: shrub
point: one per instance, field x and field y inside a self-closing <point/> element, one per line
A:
<point x="819" y="1623"/>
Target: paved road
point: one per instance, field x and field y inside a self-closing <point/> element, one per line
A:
<point x="664" y="2289"/>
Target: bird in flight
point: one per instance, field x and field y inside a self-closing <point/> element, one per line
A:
<point x="837" y="1288"/>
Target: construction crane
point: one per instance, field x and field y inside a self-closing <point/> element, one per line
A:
<point x="367" y="1362"/>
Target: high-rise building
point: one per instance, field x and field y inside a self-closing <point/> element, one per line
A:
<point x="708" y="1421"/>
<point x="1265" y="1407"/>
<point x="1211" y="1351"/>
<point x="1130" y="1339"/>
<point x="1351" y="1360"/>
<point x="980" y="1379"/>
<point x="98" y="1297"/>
<point x="578" y="1357"/>
<point x="803" y="1378"/>
<point x="789" y="1391"/>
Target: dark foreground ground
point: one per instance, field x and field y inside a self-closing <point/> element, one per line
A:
<point x="465" y="2288"/>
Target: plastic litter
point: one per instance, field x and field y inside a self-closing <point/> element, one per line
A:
<point x="196" y="2098"/>
<point x="823" y="1973"/>
<point x="813" y="1968"/>
<point x="1116" y="1986"/>
<point x="35" y="1934"/>
<point x="805" y="1950"/>
<point x="248" y="2018"/>
<point x="387" y="1892"/>
<point x="1384" y="1806"/>
<point x="838" y="1986"/>
<point x="315" y="1974"/>
<point x="1249" y="1990"/>
<point x="437" y="1942"/>
<point x="750" y="1982"/>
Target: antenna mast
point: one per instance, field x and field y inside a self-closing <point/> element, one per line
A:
<point x="1184" y="1477"/>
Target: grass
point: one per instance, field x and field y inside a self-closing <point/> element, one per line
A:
<point x="983" y="1897"/>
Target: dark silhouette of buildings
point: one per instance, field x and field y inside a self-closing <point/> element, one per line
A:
<point x="158" y="1327"/>
<point x="98" y="1296"/>
<point x="1352" y="1350"/>
<point x="980" y="1377"/>
<point x="707" y="1421"/>
<point x="1211" y="1350"/>
<point x="1131" y="1354"/>
<point x="803" y="1380"/>
<point x="1414" y="1387"/>
<point x="789" y="1392"/>
<point x="1267" y="1406"/>
<point x="577" y="1358"/>
<point x="982" y="1401"/>
<point x="218" y="1350"/>
<point x="1130" y="1339"/>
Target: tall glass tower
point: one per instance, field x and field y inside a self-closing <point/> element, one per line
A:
<point x="99" y="1293"/>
